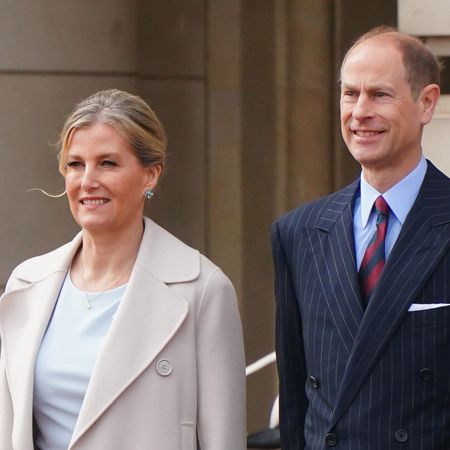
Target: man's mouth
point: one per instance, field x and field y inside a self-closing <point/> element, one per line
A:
<point x="366" y="133"/>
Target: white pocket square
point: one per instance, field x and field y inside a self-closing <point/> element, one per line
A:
<point x="424" y="306"/>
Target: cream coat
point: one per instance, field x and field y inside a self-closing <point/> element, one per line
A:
<point x="178" y="307"/>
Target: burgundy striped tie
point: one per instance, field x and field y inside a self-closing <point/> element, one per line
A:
<point x="373" y="260"/>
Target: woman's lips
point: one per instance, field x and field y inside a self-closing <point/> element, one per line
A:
<point x="93" y="202"/>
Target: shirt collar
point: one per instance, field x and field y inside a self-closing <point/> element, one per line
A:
<point x="399" y="197"/>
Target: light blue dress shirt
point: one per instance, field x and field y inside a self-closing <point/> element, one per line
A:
<point x="66" y="359"/>
<point x="400" y="199"/>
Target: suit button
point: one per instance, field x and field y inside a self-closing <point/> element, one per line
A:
<point x="426" y="374"/>
<point x="331" y="439"/>
<point x="314" y="382"/>
<point x="401" y="436"/>
<point x="164" y="367"/>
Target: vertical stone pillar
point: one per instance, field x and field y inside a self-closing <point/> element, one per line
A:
<point x="309" y="107"/>
<point x="224" y="140"/>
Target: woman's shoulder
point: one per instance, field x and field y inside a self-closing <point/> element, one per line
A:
<point x="170" y="258"/>
<point x="40" y="266"/>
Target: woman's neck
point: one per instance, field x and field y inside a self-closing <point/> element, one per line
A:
<point x="105" y="260"/>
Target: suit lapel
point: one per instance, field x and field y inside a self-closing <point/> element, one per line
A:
<point x="424" y="239"/>
<point x="334" y="256"/>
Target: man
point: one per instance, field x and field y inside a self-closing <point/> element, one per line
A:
<point x="363" y="275"/>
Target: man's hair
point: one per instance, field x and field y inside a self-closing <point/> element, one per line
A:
<point x="421" y="66"/>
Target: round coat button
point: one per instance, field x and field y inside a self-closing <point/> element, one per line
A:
<point x="331" y="439"/>
<point x="314" y="382"/>
<point x="426" y="374"/>
<point x="164" y="367"/>
<point x="401" y="436"/>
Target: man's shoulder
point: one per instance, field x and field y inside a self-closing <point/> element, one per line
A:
<point x="308" y="214"/>
<point x="436" y="179"/>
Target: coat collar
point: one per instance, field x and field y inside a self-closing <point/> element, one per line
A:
<point x="161" y="254"/>
<point x="155" y="311"/>
<point x="166" y="257"/>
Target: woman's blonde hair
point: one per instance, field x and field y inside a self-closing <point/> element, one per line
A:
<point x="129" y="114"/>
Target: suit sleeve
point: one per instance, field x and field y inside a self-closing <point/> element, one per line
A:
<point x="221" y="368"/>
<point x="290" y="352"/>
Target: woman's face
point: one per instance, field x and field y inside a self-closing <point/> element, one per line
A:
<point x="105" y="182"/>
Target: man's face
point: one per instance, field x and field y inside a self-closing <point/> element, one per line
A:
<point x="380" y="121"/>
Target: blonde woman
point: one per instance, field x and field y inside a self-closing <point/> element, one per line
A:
<point x="124" y="338"/>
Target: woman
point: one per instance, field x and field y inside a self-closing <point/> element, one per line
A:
<point x="124" y="338"/>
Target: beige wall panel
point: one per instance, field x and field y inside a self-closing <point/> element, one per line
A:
<point x="436" y="136"/>
<point x="61" y="35"/>
<point x="424" y="18"/>
<point x="34" y="109"/>
<point x="172" y="36"/>
<point x="180" y="203"/>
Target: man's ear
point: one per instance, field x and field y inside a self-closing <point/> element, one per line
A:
<point x="428" y="99"/>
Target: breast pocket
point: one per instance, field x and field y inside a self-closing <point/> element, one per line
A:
<point x="423" y="343"/>
<point x="434" y="317"/>
<point x="188" y="436"/>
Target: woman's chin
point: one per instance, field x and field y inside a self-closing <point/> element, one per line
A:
<point x="95" y="225"/>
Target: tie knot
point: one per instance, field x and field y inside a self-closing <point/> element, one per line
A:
<point x="381" y="206"/>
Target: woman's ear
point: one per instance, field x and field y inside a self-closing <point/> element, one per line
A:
<point x="153" y="174"/>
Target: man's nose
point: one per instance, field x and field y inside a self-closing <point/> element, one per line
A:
<point x="363" y="108"/>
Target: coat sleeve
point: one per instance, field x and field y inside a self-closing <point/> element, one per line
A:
<point x="6" y="415"/>
<point x="221" y="368"/>
<point x="290" y="352"/>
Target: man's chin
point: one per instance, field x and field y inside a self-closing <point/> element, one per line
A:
<point x="365" y="155"/>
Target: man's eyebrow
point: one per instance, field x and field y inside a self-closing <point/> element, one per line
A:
<point x="348" y="85"/>
<point x="368" y="87"/>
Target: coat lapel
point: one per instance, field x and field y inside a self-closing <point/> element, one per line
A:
<point x="147" y="319"/>
<point x="424" y="239"/>
<point x="334" y="253"/>
<point x="25" y="311"/>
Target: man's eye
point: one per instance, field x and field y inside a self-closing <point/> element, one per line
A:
<point x="380" y="94"/>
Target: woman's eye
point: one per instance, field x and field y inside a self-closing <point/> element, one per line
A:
<point x="73" y="164"/>
<point x="108" y="163"/>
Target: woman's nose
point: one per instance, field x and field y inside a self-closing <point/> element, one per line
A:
<point x="90" y="179"/>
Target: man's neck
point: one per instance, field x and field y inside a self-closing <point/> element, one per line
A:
<point x="383" y="179"/>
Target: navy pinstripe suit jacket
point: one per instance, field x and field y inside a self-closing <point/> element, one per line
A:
<point x="360" y="380"/>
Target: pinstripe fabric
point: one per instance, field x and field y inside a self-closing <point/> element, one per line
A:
<point x="381" y="376"/>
